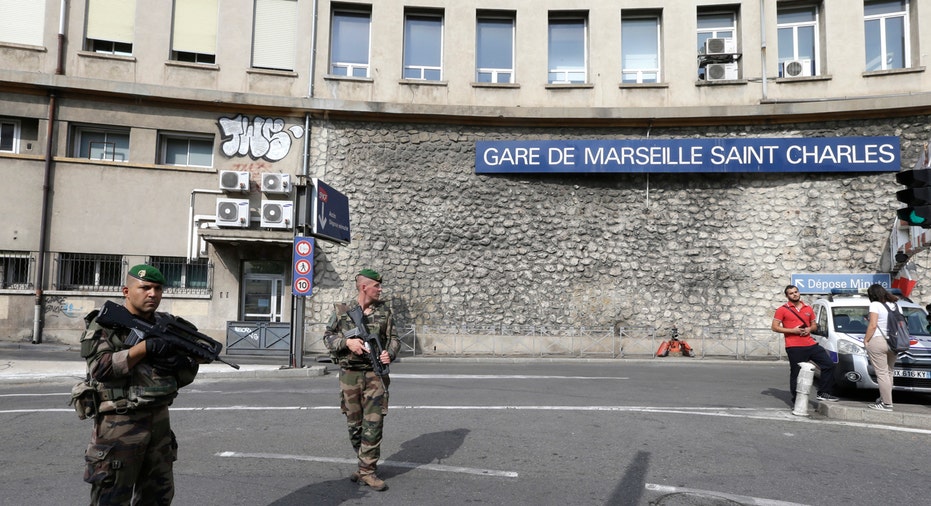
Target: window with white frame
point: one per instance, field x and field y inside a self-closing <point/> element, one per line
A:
<point x="887" y="34"/>
<point x="798" y="40"/>
<point x="111" y="26"/>
<point x="494" y="47"/>
<point x="349" y="45"/>
<point x="9" y="136"/>
<point x="91" y="272"/>
<point x="186" y="150"/>
<point x="97" y="143"/>
<point x="721" y="26"/>
<point x="183" y="275"/>
<point x="16" y="270"/>
<point x="194" y="31"/>
<point x="22" y="22"/>
<point x="274" y="35"/>
<point x="567" y="48"/>
<point x="423" y="46"/>
<point x="640" y="44"/>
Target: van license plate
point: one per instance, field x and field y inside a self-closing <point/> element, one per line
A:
<point x="907" y="373"/>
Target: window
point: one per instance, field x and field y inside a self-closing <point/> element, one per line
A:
<point x="567" y="49"/>
<point x="183" y="276"/>
<point x="349" y="51"/>
<point x="716" y="25"/>
<point x="274" y="37"/>
<point x="15" y="270"/>
<point x="9" y="136"/>
<point x="423" y="46"/>
<point x="84" y="271"/>
<point x="640" y="38"/>
<point x="22" y="22"/>
<point x="110" y="26"/>
<point x="494" y="48"/>
<point x="100" y="144"/>
<point x="194" y="31"/>
<point x="798" y="41"/>
<point x="886" y="29"/>
<point x="186" y="151"/>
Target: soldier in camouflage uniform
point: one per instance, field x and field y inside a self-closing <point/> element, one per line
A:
<point x="363" y="394"/>
<point x="133" y="449"/>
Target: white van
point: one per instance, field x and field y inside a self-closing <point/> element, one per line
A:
<point x="842" y="317"/>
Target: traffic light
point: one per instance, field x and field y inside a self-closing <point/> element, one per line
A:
<point x="917" y="196"/>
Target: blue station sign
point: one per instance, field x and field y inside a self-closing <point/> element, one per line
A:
<point x="329" y="213"/>
<point x="818" y="283"/>
<point x="823" y="154"/>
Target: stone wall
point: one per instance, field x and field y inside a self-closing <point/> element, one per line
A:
<point x="689" y="251"/>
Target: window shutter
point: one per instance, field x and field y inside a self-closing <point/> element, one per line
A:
<point x="112" y="20"/>
<point x="195" y="26"/>
<point x="274" y="34"/>
<point x="22" y="22"/>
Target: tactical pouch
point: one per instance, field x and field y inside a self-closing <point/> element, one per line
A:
<point x="99" y="468"/>
<point x="84" y="400"/>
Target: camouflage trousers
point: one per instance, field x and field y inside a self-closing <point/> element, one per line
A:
<point x="130" y="458"/>
<point x="364" y="401"/>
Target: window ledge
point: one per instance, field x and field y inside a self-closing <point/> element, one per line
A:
<point x="423" y="82"/>
<point x="722" y="82"/>
<point x="332" y="77"/>
<point x="569" y="86"/>
<point x="892" y="72"/>
<point x="191" y="65"/>
<point x="634" y="86"/>
<point x="105" y="56"/>
<point x="495" y="85"/>
<point x="27" y="47"/>
<point x="272" y="72"/>
<point x="807" y="79"/>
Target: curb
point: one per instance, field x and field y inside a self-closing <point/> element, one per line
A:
<point x="860" y="413"/>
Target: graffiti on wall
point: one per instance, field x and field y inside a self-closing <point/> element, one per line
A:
<point x="258" y="137"/>
<point x="61" y="306"/>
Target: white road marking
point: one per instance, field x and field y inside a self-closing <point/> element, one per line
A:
<point x="742" y="499"/>
<point x="500" y="376"/>
<point x="389" y="463"/>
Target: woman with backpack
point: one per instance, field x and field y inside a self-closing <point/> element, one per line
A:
<point x="882" y="358"/>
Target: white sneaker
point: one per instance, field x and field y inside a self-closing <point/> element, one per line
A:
<point x="880" y="406"/>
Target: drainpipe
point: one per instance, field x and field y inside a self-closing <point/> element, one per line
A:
<point x="46" y="185"/>
<point x="763" y="44"/>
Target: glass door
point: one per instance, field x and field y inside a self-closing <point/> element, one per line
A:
<point x="262" y="297"/>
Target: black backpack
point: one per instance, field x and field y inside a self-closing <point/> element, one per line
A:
<point x="897" y="336"/>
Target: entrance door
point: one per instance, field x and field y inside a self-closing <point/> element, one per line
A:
<point x="262" y="297"/>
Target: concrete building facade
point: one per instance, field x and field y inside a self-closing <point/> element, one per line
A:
<point x="135" y="132"/>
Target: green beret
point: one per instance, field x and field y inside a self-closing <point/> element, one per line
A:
<point x="147" y="273"/>
<point x="369" y="273"/>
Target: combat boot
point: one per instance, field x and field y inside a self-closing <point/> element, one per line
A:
<point x="373" y="481"/>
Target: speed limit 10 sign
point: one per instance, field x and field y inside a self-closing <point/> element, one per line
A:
<point x="303" y="267"/>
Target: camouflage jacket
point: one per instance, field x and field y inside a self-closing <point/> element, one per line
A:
<point x="118" y="386"/>
<point x="379" y="323"/>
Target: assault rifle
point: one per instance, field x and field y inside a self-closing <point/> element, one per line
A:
<point x="181" y="334"/>
<point x="373" y="344"/>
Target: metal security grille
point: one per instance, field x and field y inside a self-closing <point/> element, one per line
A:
<point x="91" y="272"/>
<point x="16" y="270"/>
<point x="183" y="277"/>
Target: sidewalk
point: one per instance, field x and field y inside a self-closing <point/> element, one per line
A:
<point x="49" y="363"/>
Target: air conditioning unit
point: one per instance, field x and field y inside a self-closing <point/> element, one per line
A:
<point x="277" y="214"/>
<point x="720" y="46"/>
<point x="234" y="181"/>
<point x="232" y="213"/>
<point x="273" y="182"/>
<point x="721" y="71"/>
<point x="796" y="68"/>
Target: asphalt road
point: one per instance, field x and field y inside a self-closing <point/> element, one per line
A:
<point x="660" y="432"/>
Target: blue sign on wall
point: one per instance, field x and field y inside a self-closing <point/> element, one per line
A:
<point x="824" y="283"/>
<point x="824" y="154"/>
<point x="330" y="213"/>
